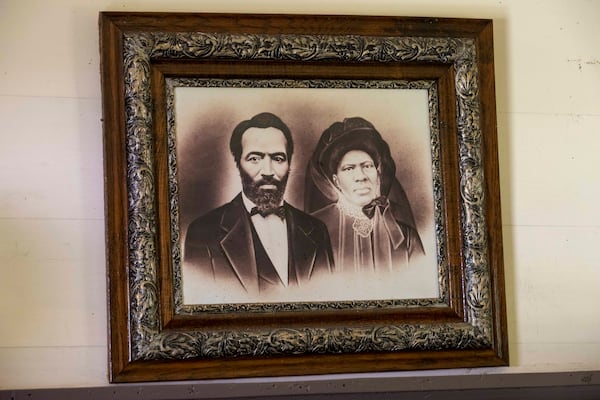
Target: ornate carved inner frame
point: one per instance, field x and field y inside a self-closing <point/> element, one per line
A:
<point x="156" y="335"/>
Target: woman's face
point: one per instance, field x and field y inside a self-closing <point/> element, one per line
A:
<point x="357" y="177"/>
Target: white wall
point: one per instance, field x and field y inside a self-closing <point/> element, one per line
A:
<point x="52" y="263"/>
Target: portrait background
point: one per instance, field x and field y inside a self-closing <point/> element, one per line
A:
<point x="208" y="177"/>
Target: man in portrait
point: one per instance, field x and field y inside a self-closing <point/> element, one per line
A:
<point x="352" y="187"/>
<point x="258" y="242"/>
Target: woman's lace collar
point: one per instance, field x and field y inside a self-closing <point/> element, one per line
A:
<point x="361" y="224"/>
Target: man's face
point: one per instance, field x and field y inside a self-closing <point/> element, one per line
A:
<point x="357" y="177"/>
<point x="264" y="166"/>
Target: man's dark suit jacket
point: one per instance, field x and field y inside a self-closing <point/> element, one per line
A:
<point x="220" y="243"/>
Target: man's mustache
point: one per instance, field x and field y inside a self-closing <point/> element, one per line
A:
<point x="268" y="180"/>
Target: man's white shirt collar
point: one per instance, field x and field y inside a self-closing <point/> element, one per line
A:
<point x="272" y="232"/>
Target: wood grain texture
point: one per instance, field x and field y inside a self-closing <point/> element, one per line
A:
<point x="116" y="194"/>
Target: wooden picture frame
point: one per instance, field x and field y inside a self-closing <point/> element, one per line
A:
<point x="154" y="335"/>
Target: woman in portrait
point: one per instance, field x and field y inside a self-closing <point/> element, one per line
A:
<point x="352" y="187"/>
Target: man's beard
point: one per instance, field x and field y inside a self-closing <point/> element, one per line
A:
<point x="265" y="199"/>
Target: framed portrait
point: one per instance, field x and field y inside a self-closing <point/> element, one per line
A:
<point x="300" y="194"/>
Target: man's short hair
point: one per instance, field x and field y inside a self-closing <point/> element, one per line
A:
<point x="262" y="121"/>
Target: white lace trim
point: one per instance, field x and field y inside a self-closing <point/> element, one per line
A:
<point x="362" y="225"/>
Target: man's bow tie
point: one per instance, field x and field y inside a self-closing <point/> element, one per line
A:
<point x="369" y="209"/>
<point x="279" y="211"/>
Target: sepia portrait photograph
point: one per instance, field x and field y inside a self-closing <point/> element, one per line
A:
<point x="294" y="194"/>
<point x="304" y="194"/>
